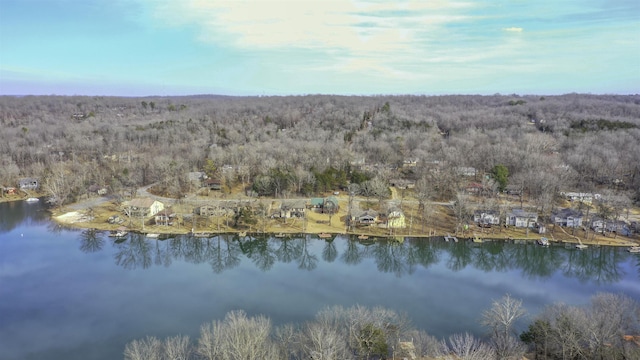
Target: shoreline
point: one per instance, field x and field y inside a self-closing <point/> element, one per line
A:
<point x="74" y="216"/>
<point x="468" y="236"/>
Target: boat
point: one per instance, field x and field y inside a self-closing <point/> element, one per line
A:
<point x="324" y="235"/>
<point x="581" y="246"/>
<point x="363" y="237"/>
<point x="242" y="234"/>
<point x="153" y="235"/>
<point x="32" y="200"/>
<point x="279" y="235"/>
<point x="543" y="241"/>
<point x="477" y="239"/>
<point x="449" y="237"/>
<point x="634" y="249"/>
<point x="118" y="233"/>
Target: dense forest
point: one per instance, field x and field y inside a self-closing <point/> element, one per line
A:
<point x="282" y="146"/>
<point x="599" y="330"/>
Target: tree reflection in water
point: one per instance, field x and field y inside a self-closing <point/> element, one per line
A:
<point x="91" y="241"/>
<point x="598" y="264"/>
<point x="329" y="252"/>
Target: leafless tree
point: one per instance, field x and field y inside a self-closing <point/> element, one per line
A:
<point x="322" y="342"/>
<point x="177" y="348"/>
<point x="500" y="320"/>
<point x="467" y="347"/>
<point x="149" y="348"/>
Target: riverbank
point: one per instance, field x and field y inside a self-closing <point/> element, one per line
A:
<point x="94" y="213"/>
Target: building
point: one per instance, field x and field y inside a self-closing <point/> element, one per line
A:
<point x="28" y="184"/>
<point x="567" y="217"/>
<point x="521" y="218"/>
<point x="395" y="218"/>
<point x="142" y="207"/>
<point x="486" y="217"/>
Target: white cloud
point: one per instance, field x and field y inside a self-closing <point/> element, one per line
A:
<point x="369" y="28"/>
<point x="513" y="29"/>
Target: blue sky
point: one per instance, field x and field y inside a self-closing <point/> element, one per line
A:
<point x="262" y="47"/>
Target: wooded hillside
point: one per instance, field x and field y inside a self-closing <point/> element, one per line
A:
<point x="308" y="144"/>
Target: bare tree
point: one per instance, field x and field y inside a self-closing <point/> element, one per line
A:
<point x="500" y="320"/>
<point x="237" y="337"/>
<point x="322" y="342"/>
<point x="149" y="348"/>
<point x="177" y="348"/>
<point x="467" y="347"/>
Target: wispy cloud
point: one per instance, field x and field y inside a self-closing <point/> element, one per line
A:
<point x="513" y="29"/>
<point x="369" y="30"/>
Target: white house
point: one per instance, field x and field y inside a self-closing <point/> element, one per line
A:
<point x="143" y="207"/>
<point x="486" y="217"/>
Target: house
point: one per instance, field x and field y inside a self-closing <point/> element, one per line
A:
<point x="515" y="190"/>
<point x="213" y="184"/>
<point x="409" y="163"/>
<point x="395" y="218"/>
<point x="486" y="217"/>
<point x="291" y="209"/>
<point x="205" y="210"/>
<point x="466" y="171"/>
<point x="97" y="190"/>
<point x="579" y="196"/>
<point x="143" y="207"/>
<point x="366" y="217"/>
<point x="330" y="205"/>
<point x="402" y="183"/>
<point x="521" y="218"/>
<point x="567" y="217"/>
<point x="476" y="188"/>
<point x="316" y="203"/>
<point x="620" y="227"/>
<point x="165" y="217"/>
<point x="28" y="184"/>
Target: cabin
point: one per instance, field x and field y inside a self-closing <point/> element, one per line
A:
<point x="28" y="184"/>
<point x="142" y="207"/>
<point x="520" y="218"/>
<point x="567" y="217"/>
<point x="486" y="217"/>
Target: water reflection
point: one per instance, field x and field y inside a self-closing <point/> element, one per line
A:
<point x="600" y="265"/>
<point x="20" y="213"/>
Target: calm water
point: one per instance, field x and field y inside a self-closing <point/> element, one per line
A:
<point x="69" y="294"/>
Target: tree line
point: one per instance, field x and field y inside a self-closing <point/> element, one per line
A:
<point x="603" y="329"/>
<point x="308" y="144"/>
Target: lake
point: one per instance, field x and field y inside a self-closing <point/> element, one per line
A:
<point x="72" y="294"/>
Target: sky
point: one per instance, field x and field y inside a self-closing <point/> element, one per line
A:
<point x="363" y="47"/>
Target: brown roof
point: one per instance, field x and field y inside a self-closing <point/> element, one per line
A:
<point x="141" y="202"/>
